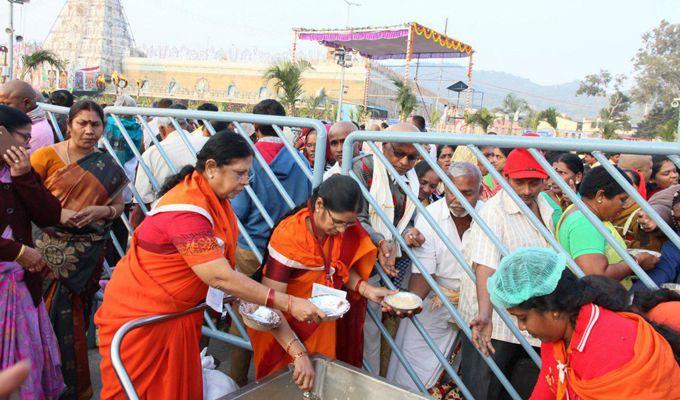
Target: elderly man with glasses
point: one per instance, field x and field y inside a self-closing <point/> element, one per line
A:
<point x="401" y="211"/>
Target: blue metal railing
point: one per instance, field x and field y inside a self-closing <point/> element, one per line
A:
<point x="471" y="141"/>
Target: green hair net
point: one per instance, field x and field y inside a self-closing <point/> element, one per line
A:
<point x="528" y="272"/>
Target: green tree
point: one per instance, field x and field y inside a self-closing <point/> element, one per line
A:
<point x="483" y="118"/>
<point x="406" y="100"/>
<point x="287" y="77"/>
<point x="313" y="104"/>
<point x="613" y="115"/>
<point x="513" y="106"/>
<point x="32" y="61"/>
<point x="657" y="78"/>
<point x="549" y="115"/>
<point x="435" y="116"/>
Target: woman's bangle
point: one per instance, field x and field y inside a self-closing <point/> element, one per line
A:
<point x="269" y="302"/>
<point x="112" y="213"/>
<point x="21" y="252"/>
<point x="290" y="304"/>
<point x="293" y="340"/>
<point x="299" y="355"/>
<point x="357" y="286"/>
<point x="362" y="294"/>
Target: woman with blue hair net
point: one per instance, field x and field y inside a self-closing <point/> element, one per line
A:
<point x="591" y="348"/>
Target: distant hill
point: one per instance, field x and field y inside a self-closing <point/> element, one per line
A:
<point x="495" y="85"/>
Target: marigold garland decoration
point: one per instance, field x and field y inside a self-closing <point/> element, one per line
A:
<point x="431" y="34"/>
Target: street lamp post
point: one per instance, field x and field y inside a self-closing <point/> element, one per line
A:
<point x="10" y="32"/>
<point x="343" y="62"/>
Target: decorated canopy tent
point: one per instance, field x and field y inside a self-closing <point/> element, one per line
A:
<point x="406" y="41"/>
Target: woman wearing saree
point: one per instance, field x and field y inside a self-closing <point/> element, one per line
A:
<point x="186" y="243"/>
<point x="88" y="184"/>
<point x="317" y="248"/>
<point x="592" y="346"/>
<point x="25" y="329"/>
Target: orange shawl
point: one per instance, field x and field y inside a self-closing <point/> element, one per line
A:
<point x="162" y="359"/>
<point x="293" y="245"/>
<point x="652" y="374"/>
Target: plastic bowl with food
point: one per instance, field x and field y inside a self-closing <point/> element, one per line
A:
<point x="333" y="306"/>
<point x="635" y="252"/>
<point x="259" y="317"/>
<point x="404" y="301"/>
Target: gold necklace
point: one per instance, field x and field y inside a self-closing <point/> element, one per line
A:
<point x="68" y="156"/>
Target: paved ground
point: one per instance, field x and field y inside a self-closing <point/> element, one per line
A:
<point x="219" y="350"/>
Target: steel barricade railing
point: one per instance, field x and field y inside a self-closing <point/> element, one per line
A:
<point x="116" y="342"/>
<point x="206" y="116"/>
<point x="435" y="288"/>
<point x="472" y="141"/>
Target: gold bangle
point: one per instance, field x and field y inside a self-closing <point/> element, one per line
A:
<point x="290" y="343"/>
<point x="113" y="213"/>
<point x="299" y="355"/>
<point x="21" y="252"/>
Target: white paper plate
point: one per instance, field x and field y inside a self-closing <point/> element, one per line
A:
<point x="404" y="301"/>
<point x="333" y="306"/>
<point x="634" y="252"/>
<point x="259" y="317"/>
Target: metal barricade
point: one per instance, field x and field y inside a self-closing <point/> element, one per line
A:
<point x="534" y="146"/>
<point x="277" y="122"/>
<point x="473" y="142"/>
<point x="116" y="360"/>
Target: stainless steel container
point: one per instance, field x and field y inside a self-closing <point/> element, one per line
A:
<point x="334" y="380"/>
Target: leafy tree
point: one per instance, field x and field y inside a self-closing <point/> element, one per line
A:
<point x="513" y="106"/>
<point x="406" y="100"/>
<point x="549" y="115"/>
<point x="483" y="118"/>
<point x="657" y="78"/>
<point x="32" y="61"/>
<point x="613" y="115"/>
<point x="287" y="77"/>
<point x="314" y="103"/>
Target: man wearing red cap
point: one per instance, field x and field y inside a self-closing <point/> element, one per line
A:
<point x="513" y="228"/>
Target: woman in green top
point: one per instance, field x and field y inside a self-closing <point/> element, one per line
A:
<point x="584" y="243"/>
<point x="570" y="168"/>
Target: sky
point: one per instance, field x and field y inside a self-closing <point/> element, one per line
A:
<point x="547" y="41"/>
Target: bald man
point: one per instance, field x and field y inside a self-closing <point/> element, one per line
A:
<point x="401" y="211"/>
<point x="638" y="162"/>
<point x="336" y="139"/>
<point x="20" y="95"/>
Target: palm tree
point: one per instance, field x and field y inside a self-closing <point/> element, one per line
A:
<point x="34" y="60"/>
<point x="406" y="100"/>
<point x="313" y="103"/>
<point x="512" y="106"/>
<point x="287" y="77"/>
<point x="550" y="116"/>
<point x="484" y="118"/>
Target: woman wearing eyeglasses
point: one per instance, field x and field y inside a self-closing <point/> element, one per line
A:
<point x="187" y="243"/>
<point x="319" y="245"/>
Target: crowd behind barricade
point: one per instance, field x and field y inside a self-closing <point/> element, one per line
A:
<point x="62" y="201"/>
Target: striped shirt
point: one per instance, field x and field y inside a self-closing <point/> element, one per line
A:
<point x="515" y="231"/>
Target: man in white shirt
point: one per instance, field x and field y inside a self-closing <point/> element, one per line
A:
<point x="513" y="228"/>
<point x="177" y="152"/>
<point x="336" y="138"/>
<point x="440" y="263"/>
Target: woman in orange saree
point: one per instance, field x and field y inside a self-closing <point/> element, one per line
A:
<point x="317" y="247"/>
<point x="186" y="244"/>
<point x="88" y="184"/>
